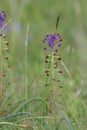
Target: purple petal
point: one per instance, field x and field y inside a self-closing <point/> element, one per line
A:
<point x="3" y="15"/>
<point x="51" y="40"/>
<point x="2" y="18"/>
<point x="1" y="22"/>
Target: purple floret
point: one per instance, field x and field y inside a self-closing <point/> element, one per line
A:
<point x="52" y="40"/>
<point x="2" y="18"/>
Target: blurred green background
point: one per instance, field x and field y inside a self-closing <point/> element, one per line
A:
<point x="41" y="16"/>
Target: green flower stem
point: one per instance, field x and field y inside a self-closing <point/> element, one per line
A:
<point x="0" y="65"/>
<point x="26" y="80"/>
<point x="52" y="82"/>
<point x="52" y="60"/>
<point x="49" y="79"/>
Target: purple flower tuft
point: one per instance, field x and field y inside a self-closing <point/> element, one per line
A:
<point x="2" y="18"/>
<point x="53" y="41"/>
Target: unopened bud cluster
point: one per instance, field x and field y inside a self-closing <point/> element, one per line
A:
<point x="5" y="70"/>
<point x="5" y="84"/>
<point x="5" y="60"/>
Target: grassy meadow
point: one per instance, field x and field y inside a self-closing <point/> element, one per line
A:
<point x="26" y="103"/>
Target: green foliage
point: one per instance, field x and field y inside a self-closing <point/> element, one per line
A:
<point x="28" y="84"/>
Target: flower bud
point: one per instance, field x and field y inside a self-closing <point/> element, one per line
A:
<point x="7" y="49"/>
<point x="7" y="42"/>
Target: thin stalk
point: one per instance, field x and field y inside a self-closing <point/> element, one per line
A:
<point x="52" y="60"/>
<point x="0" y="71"/>
<point x="26" y="67"/>
<point x="0" y="66"/>
<point x="69" y="74"/>
<point x="14" y="124"/>
<point x="5" y="25"/>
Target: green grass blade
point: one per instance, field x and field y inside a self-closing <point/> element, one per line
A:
<point x="67" y="122"/>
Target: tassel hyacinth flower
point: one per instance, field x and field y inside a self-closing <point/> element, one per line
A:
<point x="53" y="85"/>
